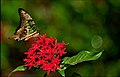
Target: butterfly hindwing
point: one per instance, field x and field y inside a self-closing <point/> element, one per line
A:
<point x="27" y="28"/>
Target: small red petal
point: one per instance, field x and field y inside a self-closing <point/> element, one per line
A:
<point x="45" y="52"/>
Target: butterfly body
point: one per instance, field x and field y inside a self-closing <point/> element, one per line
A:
<point x="27" y="28"/>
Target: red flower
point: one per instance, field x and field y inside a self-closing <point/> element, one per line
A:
<point x="45" y="53"/>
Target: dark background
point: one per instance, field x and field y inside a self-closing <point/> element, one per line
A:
<point x="72" y="21"/>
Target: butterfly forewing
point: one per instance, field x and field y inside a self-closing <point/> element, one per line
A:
<point x="27" y="28"/>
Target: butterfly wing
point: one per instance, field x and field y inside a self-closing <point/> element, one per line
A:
<point x="27" y="28"/>
<point x="24" y="17"/>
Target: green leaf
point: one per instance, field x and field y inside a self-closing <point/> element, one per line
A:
<point x="19" y="68"/>
<point x="82" y="56"/>
<point x="65" y="59"/>
<point x="97" y="41"/>
<point x="62" y="72"/>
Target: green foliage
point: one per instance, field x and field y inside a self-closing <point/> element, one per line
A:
<point x="80" y="57"/>
<point x="83" y="56"/>
<point x="62" y="72"/>
<point x="19" y="68"/>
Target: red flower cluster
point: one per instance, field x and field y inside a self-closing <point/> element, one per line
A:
<point x="45" y="53"/>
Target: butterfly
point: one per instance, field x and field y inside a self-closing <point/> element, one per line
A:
<point x="27" y="28"/>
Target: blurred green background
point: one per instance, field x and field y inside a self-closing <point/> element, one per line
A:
<point x="73" y="21"/>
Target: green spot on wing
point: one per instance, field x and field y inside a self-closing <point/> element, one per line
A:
<point x="31" y="31"/>
<point x="26" y="21"/>
<point x="29" y="26"/>
<point x="33" y="28"/>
